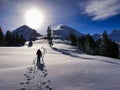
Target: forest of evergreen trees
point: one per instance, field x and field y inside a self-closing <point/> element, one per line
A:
<point x="103" y="46"/>
<point x="10" y="39"/>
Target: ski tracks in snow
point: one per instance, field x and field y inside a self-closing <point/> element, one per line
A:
<point x="36" y="78"/>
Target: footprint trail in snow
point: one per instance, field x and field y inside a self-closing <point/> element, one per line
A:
<point x="36" y="76"/>
<point x="36" y="79"/>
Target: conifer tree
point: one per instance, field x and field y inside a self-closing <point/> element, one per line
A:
<point x="30" y="43"/>
<point x="22" y="40"/>
<point x="89" y="44"/>
<point x="97" y="46"/>
<point x="17" y="38"/>
<point x="1" y="37"/>
<point x="80" y="41"/>
<point x="13" y="40"/>
<point x="73" y="39"/>
<point x="8" y="38"/>
<point x="83" y="42"/>
<point x="108" y="47"/>
<point x="113" y="50"/>
<point x="104" y="44"/>
<point x="50" y="36"/>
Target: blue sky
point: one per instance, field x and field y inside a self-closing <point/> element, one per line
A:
<point x="87" y="16"/>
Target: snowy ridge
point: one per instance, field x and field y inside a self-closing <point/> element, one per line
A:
<point x="26" y="32"/>
<point x="65" y="31"/>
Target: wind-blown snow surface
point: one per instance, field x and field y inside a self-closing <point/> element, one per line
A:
<point x="67" y="67"/>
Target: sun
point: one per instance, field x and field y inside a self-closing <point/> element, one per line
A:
<point x="34" y="18"/>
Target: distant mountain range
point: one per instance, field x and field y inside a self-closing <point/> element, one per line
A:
<point x="115" y="35"/>
<point x="65" y="31"/>
<point x="61" y="31"/>
<point x="27" y="32"/>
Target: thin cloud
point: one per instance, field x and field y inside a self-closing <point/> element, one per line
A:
<point x="102" y="9"/>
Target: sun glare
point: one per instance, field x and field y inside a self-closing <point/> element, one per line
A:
<point x="34" y="18"/>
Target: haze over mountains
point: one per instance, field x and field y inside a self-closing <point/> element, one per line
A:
<point x="63" y="31"/>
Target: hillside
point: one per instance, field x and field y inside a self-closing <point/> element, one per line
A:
<point x="67" y="68"/>
<point x="27" y="32"/>
<point x="65" y="31"/>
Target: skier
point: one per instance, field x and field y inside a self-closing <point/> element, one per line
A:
<point x="39" y="55"/>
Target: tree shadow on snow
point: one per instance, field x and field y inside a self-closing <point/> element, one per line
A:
<point x="63" y="42"/>
<point x="66" y="52"/>
<point x="111" y="62"/>
<point x="70" y="53"/>
<point x="102" y="60"/>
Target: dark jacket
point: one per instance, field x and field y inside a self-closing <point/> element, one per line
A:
<point x="38" y="53"/>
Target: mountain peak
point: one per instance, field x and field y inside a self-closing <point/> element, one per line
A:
<point x="58" y="27"/>
<point x="64" y="27"/>
<point x="26" y="32"/>
<point x="65" y="31"/>
<point x="24" y="26"/>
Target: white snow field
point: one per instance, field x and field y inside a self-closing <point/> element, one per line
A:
<point x="67" y="68"/>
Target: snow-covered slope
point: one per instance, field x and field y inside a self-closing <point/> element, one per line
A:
<point x="67" y="68"/>
<point x="65" y="31"/>
<point x="115" y="35"/>
<point x="26" y="32"/>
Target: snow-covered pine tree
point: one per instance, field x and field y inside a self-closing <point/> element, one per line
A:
<point x="104" y="44"/>
<point x="103" y="47"/>
<point x="50" y="36"/>
<point x="89" y="44"/>
<point x="108" y="47"/>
